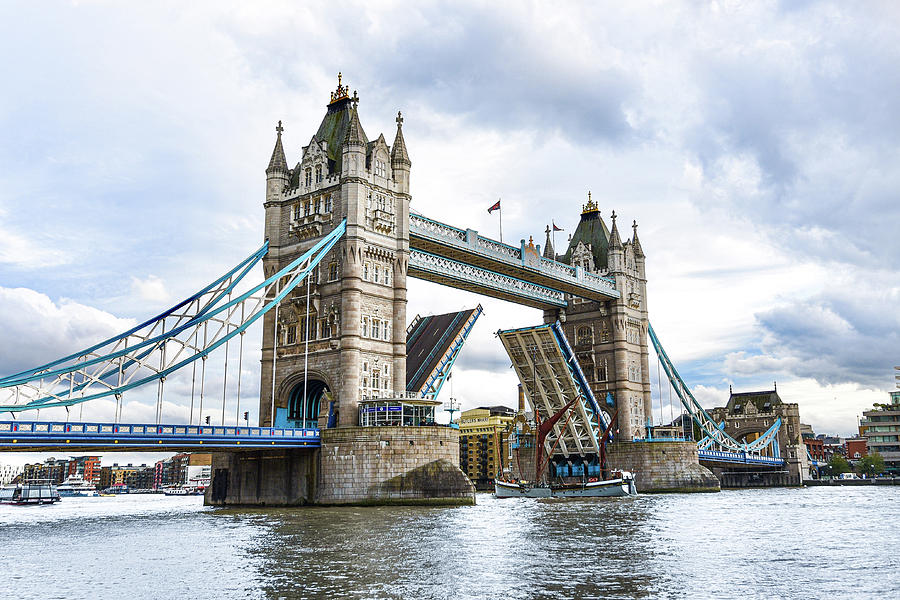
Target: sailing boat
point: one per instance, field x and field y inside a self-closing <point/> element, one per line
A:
<point x="619" y="483"/>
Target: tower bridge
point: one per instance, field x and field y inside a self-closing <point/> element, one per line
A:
<point x="340" y="242"/>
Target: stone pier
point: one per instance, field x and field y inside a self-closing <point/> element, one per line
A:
<point x="663" y="466"/>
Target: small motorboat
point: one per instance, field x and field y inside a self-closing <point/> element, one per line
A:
<point x="33" y="491"/>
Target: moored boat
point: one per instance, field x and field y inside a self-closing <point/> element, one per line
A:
<point x="76" y="486"/>
<point x="622" y="484"/>
<point x="34" y="491"/>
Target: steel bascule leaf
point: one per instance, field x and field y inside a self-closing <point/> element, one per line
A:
<point x="551" y="377"/>
<point x="147" y="360"/>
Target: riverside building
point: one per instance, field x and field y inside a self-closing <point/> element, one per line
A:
<point x="483" y="443"/>
<point x="882" y="432"/>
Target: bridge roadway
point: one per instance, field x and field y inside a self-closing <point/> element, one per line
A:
<point x="742" y="458"/>
<point x="463" y="259"/>
<point x="50" y="436"/>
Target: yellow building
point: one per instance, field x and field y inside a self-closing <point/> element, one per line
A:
<point x="483" y="445"/>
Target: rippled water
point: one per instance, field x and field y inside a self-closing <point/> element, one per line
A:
<point x="811" y="543"/>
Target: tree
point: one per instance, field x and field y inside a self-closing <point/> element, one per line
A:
<point x="837" y="464"/>
<point x="871" y="464"/>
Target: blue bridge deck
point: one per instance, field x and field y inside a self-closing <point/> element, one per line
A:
<point x="739" y="458"/>
<point x="28" y="436"/>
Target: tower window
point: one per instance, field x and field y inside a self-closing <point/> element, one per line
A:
<point x="328" y="203"/>
<point x="584" y="336"/>
<point x="292" y="334"/>
<point x="308" y="177"/>
<point x="318" y="173"/>
<point x="376" y="328"/>
<point x="365" y="326"/>
<point x="333" y="271"/>
<point x="377" y="272"/>
<point x="317" y="205"/>
<point x="379" y="168"/>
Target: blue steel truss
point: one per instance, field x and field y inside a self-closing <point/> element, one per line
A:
<point x="715" y="439"/>
<point x="164" y="344"/>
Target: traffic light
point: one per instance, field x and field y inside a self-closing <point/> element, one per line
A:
<point x="207" y="419"/>
<point x="246" y="416"/>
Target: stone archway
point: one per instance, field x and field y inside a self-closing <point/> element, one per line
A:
<point x="304" y="403"/>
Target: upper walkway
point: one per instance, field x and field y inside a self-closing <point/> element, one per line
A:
<point x="50" y="436"/>
<point x="464" y="259"/>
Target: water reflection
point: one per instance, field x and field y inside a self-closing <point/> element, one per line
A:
<point x="785" y="543"/>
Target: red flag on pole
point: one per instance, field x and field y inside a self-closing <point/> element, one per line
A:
<point x="555" y="228"/>
<point x="494" y="207"/>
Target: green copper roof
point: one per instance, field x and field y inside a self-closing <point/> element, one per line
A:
<point x="591" y="230"/>
<point x="333" y="130"/>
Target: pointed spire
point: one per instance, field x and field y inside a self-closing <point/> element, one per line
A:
<point x="636" y="243"/>
<point x="548" y="246"/>
<point x="355" y="133"/>
<point x="398" y="149"/>
<point x="278" y="160"/>
<point x="614" y="240"/>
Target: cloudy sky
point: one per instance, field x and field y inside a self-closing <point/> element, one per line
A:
<point x="756" y="144"/>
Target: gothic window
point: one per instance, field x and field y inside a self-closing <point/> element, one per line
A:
<point x="306" y="208"/>
<point x="379" y="167"/>
<point x="376" y="328"/>
<point x="601" y="371"/>
<point x="366" y="271"/>
<point x="387" y="330"/>
<point x="328" y="203"/>
<point x="377" y="274"/>
<point x="317" y="205"/>
<point x="318" y="173"/>
<point x="365" y="326"/>
<point x="333" y="271"/>
<point x="292" y="334"/>
<point x="308" y="177"/>
<point x="604" y="333"/>
<point x="326" y="328"/>
<point x="297" y="212"/>
<point x="387" y="276"/>
<point x="584" y="336"/>
<point x="369" y="200"/>
<point x="376" y="379"/>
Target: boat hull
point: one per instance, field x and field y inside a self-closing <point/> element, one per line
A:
<point x="597" y="489"/>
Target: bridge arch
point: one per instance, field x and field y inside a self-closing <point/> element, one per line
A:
<point x="302" y="409"/>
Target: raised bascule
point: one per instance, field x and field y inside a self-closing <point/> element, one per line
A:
<point x="341" y="240"/>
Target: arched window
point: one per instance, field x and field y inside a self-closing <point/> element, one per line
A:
<point x="308" y="177"/>
<point x="318" y="173"/>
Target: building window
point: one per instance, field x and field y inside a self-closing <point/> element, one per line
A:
<point x="376" y="379"/>
<point x="583" y="337"/>
<point x="292" y="334"/>
<point x="376" y="328"/>
<point x="379" y="168"/>
<point x="365" y="326"/>
<point x="308" y="177"/>
<point x="297" y="212"/>
<point x="333" y="271"/>
<point x="317" y="206"/>
<point x="366" y="271"/>
<point x="604" y="333"/>
<point x="318" y="173"/>
<point x="377" y="274"/>
<point x="387" y="276"/>
<point x="601" y="371"/>
<point x="306" y="208"/>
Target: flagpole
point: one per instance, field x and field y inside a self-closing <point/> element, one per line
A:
<point x="553" y="233"/>
<point x="501" y="219"/>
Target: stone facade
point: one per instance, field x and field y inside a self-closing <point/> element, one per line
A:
<point x="356" y="321"/>
<point x="392" y="465"/>
<point x="662" y="466"/>
<point x="610" y="338"/>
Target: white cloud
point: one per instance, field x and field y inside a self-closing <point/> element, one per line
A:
<point x="149" y="289"/>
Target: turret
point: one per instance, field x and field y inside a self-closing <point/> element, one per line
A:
<point x="548" y="245"/>
<point x="616" y="252"/>
<point x="639" y="257"/>
<point x="400" y="162"/>
<point x="277" y="173"/>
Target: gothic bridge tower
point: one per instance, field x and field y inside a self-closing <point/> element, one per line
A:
<point x="356" y="325"/>
<point x="610" y="338"/>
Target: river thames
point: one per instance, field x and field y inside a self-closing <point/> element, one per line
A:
<point x="787" y="543"/>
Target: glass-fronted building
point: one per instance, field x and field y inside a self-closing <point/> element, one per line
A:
<point x="396" y="412"/>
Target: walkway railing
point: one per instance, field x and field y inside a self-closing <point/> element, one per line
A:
<point x="22" y="435"/>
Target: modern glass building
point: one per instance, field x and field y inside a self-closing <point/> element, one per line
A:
<point x="882" y="431"/>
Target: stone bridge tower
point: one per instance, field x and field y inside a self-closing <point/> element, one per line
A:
<point x="610" y="338"/>
<point x="355" y="330"/>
